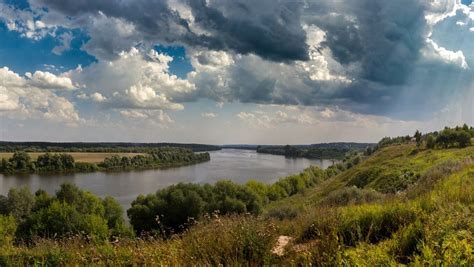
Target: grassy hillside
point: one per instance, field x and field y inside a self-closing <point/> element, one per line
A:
<point x="389" y="170"/>
<point x="397" y="206"/>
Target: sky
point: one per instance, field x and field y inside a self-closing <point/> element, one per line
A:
<point x="234" y="71"/>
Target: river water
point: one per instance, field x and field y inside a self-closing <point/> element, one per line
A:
<point x="233" y="164"/>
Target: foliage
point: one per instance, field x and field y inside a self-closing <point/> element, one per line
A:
<point x="241" y="240"/>
<point x="309" y="152"/>
<point x="448" y="137"/>
<point x="19" y="162"/>
<point x="458" y="136"/>
<point x="350" y="196"/>
<point x="19" y="203"/>
<point x="172" y="209"/>
<point x="7" y="230"/>
<point x="70" y="212"/>
<point x="157" y="158"/>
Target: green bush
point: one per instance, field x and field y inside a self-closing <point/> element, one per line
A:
<point x="7" y="230"/>
<point x="172" y="209"/>
<point x="373" y="223"/>
<point x="282" y="213"/>
<point x="61" y="219"/>
<point x="351" y="195"/>
<point x="364" y="177"/>
<point x="20" y="203"/>
<point x="408" y="242"/>
<point x="70" y="212"/>
<point x="234" y="241"/>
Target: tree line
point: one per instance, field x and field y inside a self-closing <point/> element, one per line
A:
<point x="459" y="136"/>
<point x="166" y="157"/>
<point x="98" y="147"/>
<point x="308" y="152"/>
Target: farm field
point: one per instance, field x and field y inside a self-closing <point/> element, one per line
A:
<point x="87" y="157"/>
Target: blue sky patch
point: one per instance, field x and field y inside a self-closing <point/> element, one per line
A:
<point x="180" y="66"/>
<point x="25" y="55"/>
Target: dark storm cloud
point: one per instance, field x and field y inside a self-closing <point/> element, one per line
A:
<point x="270" y="29"/>
<point x="238" y="26"/>
<point x="385" y="37"/>
<point x="378" y="43"/>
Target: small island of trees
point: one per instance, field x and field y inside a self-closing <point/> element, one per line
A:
<point x="21" y="162"/>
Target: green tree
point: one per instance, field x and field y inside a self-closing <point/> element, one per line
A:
<point x="463" y="138"/>
<point x="8" y="228"/>
<point x="113" y="215"/>
<point x="21" y="161"/>
<point x="430" y="141"/>
<point x="418" y="138"/>
<point x="20" y="202"/>
<point x="61" y="219"/>
<point x="3" y="205"/>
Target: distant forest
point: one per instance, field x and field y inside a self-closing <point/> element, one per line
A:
<point x="117" y="147"/>
<point x="318" y="151"/>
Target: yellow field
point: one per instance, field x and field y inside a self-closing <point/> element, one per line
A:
<point x="78" y="156"/>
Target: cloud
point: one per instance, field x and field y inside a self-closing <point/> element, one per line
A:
<point x="436" y="51"/>
<point x="22" y="98"/>
<point x="96" y="97"/>
<point x="24" y="22"/>
<point x="365" y="32"/>
<point x="209" y="115"/>
<point x="48" y="80"/>
<point x="400" y="59"/>
<point x="273" y="119"/>
<point x="135" y="80"/>
<point x="8" y="100"/>
<point x="368" y="57"/>
<point x="158" y="117"/>
<point x="133" y="114"/>
<point x="65" y="40"/>
<point x="327" y="113"/>
<point x="269" y="29"/>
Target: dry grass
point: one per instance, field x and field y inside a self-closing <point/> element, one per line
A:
<point x="88" y="157"/>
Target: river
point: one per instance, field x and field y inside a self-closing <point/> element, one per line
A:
<point x="233" y="164"/>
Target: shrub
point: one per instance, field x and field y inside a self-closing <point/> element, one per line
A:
<point x="364" y="177"/>
<point x="7" y="230"/>
<point x="408" y="242"/>
<point x="351" y="195"/>
<point x="171" y="209"/>
<point x="430" y="141"/>
<point x="61" y="219"/>
<point x="70" y="212"/>
<point x="86" y="167"/>
<point x="20" y="202"/>
<point x="282" y="213"/>
<point x="373" y="223"/>
<point x="236" y="240"/>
